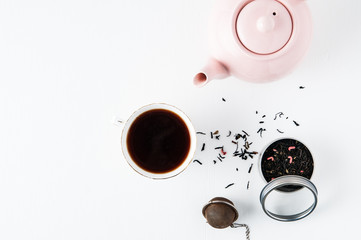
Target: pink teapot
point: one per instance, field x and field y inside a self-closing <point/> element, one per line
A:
<point x="258" y="41"/>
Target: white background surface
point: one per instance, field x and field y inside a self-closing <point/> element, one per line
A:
<point x="67" y="67"/>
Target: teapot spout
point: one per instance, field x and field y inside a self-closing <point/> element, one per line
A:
<point x="213" y="70"/>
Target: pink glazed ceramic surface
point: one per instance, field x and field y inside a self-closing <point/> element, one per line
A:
<point x="257" y="41"/>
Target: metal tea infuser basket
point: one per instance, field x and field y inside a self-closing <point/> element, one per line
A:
<point x="221" y="213"/>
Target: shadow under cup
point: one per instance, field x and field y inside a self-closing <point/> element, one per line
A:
<point x="158" y="141"/>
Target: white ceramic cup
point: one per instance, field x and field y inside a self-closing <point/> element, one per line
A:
<point x="189" y="156"/>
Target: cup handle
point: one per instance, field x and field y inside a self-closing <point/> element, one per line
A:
<point x="117" y="121"/>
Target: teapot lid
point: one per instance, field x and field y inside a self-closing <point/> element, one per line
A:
<point x="264" y="27"/>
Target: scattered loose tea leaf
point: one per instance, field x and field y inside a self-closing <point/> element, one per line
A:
<point x="244" y="154"/>
<point x="302" y="87"/>
<point x="245" y="133"/>
<point x="242" y="150"/>
<point x="250" y="168"/>
<point x="197" y="161"/>
<point x="223" y="152"/>
<point x="229" y="185"/>
<point x="248" y="185"/>
<point x="296" y="123"/>
<point x="223" y="99"/>
<point x="256" y="112"/>
<point x="263" y="116"/>
<point x="260" y="131"/>
<point x="247" y="145"/>
<point x="279" y="115"/>
<point x="279" y="131"/>
<point x="261" y="122"/>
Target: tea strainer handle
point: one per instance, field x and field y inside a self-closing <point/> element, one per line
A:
<point x="237" y="225"/>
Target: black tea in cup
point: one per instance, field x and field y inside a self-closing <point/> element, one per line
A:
<point x="158" y="141"/>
